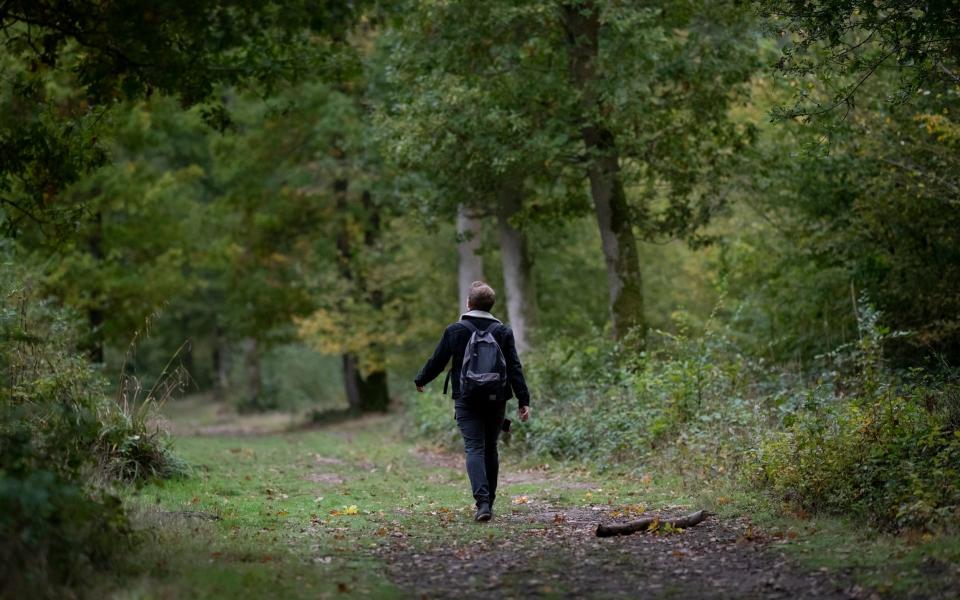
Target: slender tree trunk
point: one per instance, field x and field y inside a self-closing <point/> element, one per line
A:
<point x="517" y="271"/>
<point x="469" y="228"/>
<point x="351" y="375"/>
<point x="221" y="362"/>
<point x="582" y="25"/>
<point x="95" y="315"/>
<point x="369" y="392"/>
<point x="251" y="370"/>
<point x="374" y="391"/>
<point x="351" y="383"/>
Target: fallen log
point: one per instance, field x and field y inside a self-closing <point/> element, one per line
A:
<point x="645" y="523"/>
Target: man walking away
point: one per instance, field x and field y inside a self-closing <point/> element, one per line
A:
<point x="485" y="373"/>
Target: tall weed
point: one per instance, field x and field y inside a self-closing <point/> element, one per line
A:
<point x="63" y="442"/>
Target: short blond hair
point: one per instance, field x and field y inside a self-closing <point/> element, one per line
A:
<point x="481" y="296"/>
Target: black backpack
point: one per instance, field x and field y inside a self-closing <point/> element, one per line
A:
<point x="484" y="370"/>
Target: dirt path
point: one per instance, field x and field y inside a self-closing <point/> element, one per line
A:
<point x="552" y="552"/>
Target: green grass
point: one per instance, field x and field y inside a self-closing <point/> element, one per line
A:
<point x="278" y="497"/>
<point x="283" y="531"/>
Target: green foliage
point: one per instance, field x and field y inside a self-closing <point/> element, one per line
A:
<point x="69" y="63"/>
<point x="888" y="448"/>
<point x="843" y="43"/>
<point x="490" y="84"/>
<point x="62" y="441"/>
<point x="671" y="402"/>
<point x="295" y="378"/>
<point x="884" y="456"/>
<point x="849" y="437"/>
<point x="432" y="418"/>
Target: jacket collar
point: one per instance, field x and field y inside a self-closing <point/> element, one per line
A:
<point x="480" y="314"/>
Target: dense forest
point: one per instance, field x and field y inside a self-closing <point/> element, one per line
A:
<point x="726" y="235"/>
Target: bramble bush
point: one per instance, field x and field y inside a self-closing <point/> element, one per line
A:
<point x="63" y="442"/>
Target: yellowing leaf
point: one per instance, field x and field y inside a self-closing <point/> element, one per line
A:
<point x="347" y="511"/>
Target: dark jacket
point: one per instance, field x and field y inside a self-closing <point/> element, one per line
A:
<point x="454" y="343"/>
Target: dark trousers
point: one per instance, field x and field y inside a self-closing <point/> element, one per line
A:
<point x="480" y="423"/>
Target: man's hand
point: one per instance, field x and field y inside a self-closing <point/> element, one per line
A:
<point x="420" y="388"/>
<point x="524" y="413"/>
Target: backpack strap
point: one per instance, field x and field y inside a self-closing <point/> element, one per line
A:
<point x="473" y="328"/>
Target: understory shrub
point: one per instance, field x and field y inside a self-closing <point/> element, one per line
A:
<point x="63" y="444"/>
<point x="884" y="457"/>
<point x="845" y="435"/>
<point x="689" y="401"/>
<point x="887" y="449"/>
<point x="431" y="414"/>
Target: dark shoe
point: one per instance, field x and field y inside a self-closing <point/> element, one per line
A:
<point x="483" y="512"/>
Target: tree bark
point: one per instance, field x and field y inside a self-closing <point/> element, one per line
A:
<point x="221" y="361"/>
<point x="351" y="383"/>
<point x="582" y="26"/>
<point x="251" y="368"/>
<point x="645" y="523"/>
<point x="374" y="390"/>
<point x="517" y="271"/>
<point x="468" y="247"/>
<point x="364" y="393"/>
<point x="95" y="313"/>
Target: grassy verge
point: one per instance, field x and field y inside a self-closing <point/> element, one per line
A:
<point x="307" y="513"/>
<point x="313" y="507"/>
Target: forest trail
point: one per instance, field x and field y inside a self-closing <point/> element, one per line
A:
<point x="356" y="510"/>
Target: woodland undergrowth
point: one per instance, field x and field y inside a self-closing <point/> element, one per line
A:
<point x="66" y="448"/>
<point x="849" y="435"/>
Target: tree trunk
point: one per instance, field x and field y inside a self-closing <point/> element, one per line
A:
<point x="95" y="314"/>
<point x="364" y="393"/>
<point x="468" y="247"/>
<point x="351" y="383"/>
<point x="374" y="391"/>
<point x="351" y="375"/>
<point x="582" y="25"/>
<point x="517" y="275"/>
<point x="251" y="370"/>
<point x="221" y="362"/>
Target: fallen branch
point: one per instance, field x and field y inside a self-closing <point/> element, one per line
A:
<point x="645" y="523"/>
